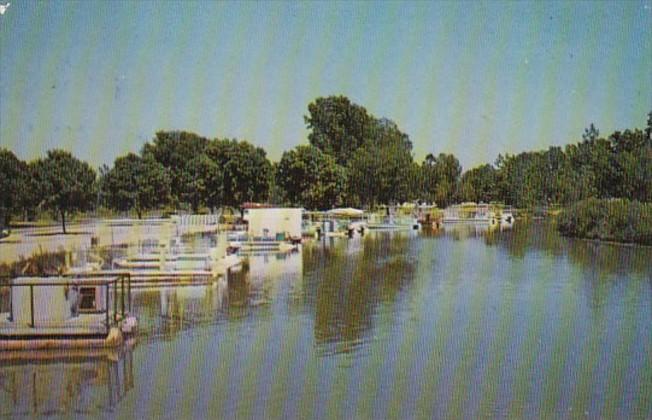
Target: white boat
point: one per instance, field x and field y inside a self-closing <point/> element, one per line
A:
<point x="507" y="217"/>
<point x="469" y="213"/>
<point x="67" y="312"/>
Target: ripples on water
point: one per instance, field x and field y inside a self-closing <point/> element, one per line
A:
<point x="461" y="323"/>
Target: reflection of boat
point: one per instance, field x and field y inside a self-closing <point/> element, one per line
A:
<point x="394" y="222"/>
<point x="262" y="245"/>
<point x="65" y="312"/>
<point x="88" y="381"/>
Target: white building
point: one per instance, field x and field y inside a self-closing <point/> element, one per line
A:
<point x="270" y="222"/>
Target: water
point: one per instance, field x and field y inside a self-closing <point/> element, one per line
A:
<point x="466" y="323"/>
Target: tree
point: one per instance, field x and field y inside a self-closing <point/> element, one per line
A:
<point x="66" y="184"/>
<point x="338" y="127"/>
<point x="381" y="170"/>
<point x="136" y="183"/>
<point x="246" y="171"/>
<point x="591" y="133"/>
<point x="311" y="178"/>
<point x="29" y="198"/>
<point x="177" y="152"/>
<point x="13" y="172"/>
<point x="202" y="183"/>
<point x="440" y="177"/>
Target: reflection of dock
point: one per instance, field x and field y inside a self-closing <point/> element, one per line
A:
<point x="64" y="382"/>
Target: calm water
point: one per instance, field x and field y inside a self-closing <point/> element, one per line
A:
<point x="466" y="323"/>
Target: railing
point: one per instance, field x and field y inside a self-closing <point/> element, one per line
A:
<point x="116" y="284"/>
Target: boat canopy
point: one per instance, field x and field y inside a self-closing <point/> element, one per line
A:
<point x="346" y="212"/>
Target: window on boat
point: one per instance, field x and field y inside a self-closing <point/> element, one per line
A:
<point x="87" y="299"/>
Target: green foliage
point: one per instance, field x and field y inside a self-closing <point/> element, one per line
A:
<point x="380" y="173"/>
<point x="311" y="178"/>
<point x="202" y="183"/>
<point x="176" y="151"/>
<point x="246" y="171"/>
<point x="136" y="183"/>
<point x="440" y="176"/>
<point x="479" y="184"/>
<point x="12" y="177"/>
<point x="65" y="183"/>
<point x="617" y="220"/>
<point x="338" y="127"/>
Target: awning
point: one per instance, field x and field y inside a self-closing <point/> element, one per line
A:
<point x="347" y="212"/>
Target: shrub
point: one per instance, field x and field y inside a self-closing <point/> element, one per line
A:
<point x="616" y="220"/>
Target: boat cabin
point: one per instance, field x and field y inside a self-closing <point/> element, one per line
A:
<point x="62" y="308"/>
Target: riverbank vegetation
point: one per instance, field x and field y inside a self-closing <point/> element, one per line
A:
<point x="352" y="158"/>
<point x="616" y="220"/>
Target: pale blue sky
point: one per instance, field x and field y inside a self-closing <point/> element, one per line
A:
<point x="470" y="78"/>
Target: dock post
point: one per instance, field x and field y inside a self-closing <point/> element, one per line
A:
<point x="106" y="305"/>
<point x="31" y="303"/>
<point x="122" y="295"/>
<point x="11" y="304"/>
<point x="115" y="301"/>
<point x="129" y="291"/>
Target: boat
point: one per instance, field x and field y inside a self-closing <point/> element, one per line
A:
<point x="507" y="217"/>
<point x="174" y="263"/>
<point x="469" y="213"/>
<point x="67" y="312"/>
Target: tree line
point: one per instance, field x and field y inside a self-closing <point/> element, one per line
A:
<point x="352" y="159"/>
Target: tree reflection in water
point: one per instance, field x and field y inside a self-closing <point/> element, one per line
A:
<point x="346" y="282"/>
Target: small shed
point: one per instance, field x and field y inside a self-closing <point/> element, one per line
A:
<point x="272" y="222"/>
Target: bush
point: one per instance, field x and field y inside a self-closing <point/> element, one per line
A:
<point x="616" y="220"/>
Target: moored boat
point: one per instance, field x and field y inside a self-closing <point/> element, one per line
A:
<point x="66" y="312"/>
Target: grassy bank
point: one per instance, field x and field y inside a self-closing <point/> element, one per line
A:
<point x="615" y="220"/>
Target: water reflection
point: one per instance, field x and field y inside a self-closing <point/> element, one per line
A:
<point x="164" y="312"/>
<point x="463" y="322"/>
<point x="346" y="282"/>
<point x="64" y="382"/>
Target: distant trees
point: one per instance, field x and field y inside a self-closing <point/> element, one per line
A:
<point x="479" y="184"/>
<point x="210" y="173"/>
<point x="311" y="178"/>
<point x="353" y="158"/>
<point x="66" y="184"/>
<point x="136" y="183"/>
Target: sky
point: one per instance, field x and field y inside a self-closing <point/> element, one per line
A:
<point x="470" y="78"/>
